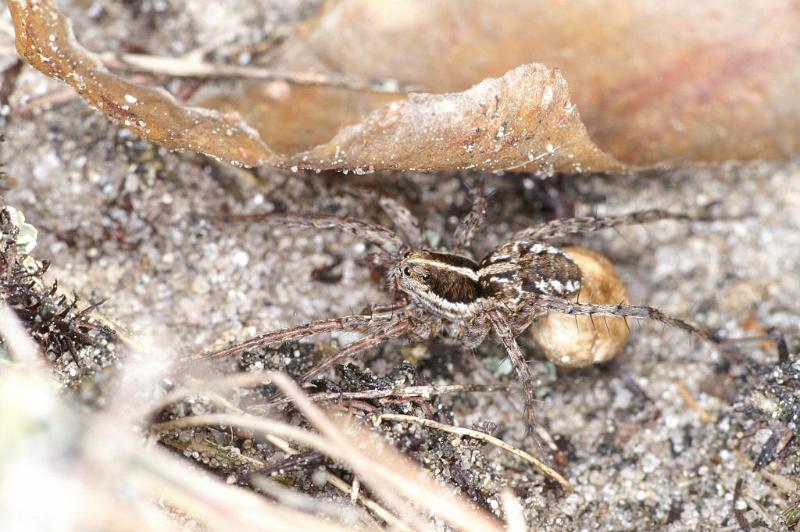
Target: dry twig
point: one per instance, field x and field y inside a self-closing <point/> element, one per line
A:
<point x="482" y="436"/>
<point x="389" y="475"/>
<point x="190" y="66"/>
<point x="405" y="392"/>
<point x="692" y="403"/>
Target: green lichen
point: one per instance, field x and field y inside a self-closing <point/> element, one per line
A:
<point x="25" y="235"/>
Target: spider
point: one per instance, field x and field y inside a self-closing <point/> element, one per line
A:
<point x="448" y="294"/>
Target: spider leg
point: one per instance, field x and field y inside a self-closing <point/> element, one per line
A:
<point x="547" y="303"/>
<point x="380" y="260"/>
<point x="403" y="220"/>
<point x="574" y="226"/>
<point x="393" y="329"/>
<point x="462" y="236"/>
<point x="503" y="332"/>
<point x="356" y="323"/>
<point x="375" y="234"/>
<point x="383" y="308"/>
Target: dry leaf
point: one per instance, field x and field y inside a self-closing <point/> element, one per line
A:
<point x="523" y="120"/>
<point x="686" y="80"/>
<point x="45" y="40"/>
<point x="689" y="81"/>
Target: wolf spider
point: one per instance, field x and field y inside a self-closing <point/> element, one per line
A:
<point x="448" y="294"/>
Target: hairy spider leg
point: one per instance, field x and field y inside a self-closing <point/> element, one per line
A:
<point x="506" y="337"/>
<point x="382" y="308"/>
<point x="353" y="323"/>
<point x="386" y="240"/>
<point x="469" y="225"/>
<point x="551" y="304"/>
<point x="405" y="222"/>
<point x="563" y="227"/>
<point x="395" y="328"/>
<point x="401" y="217"/>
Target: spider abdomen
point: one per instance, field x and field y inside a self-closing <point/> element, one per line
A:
<point x="521" y="270"/>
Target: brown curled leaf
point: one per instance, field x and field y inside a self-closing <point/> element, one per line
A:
<point x="45" y="40"/>
<point x="294" y="118"/>
<point x="656" y="82"/>
<point x="523" y="120"/>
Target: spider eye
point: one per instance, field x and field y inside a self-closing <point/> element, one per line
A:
<point x="426" y="276"/>
<point x="406" y="271"/>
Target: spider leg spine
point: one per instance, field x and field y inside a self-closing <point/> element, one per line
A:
<point x="624" y="311"/>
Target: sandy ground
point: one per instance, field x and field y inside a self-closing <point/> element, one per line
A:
<point x="124" y="220"/>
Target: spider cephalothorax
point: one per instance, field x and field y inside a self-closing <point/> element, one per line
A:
<point x="447" y="285"/>
<point x="446" y="293"/>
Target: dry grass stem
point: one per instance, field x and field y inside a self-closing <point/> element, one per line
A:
<point x="380" y="467"/>
<point x="392" y="477"/>
<point x="692" y="403"/>
<point x="20" y="346"/>
<point x="190" y="66"/>
<point x="515" y="517"/>
<point x="425" y="392"/>
<point x="482" y="436"/>
<point x="258" y="465"/>
<point x="229" y="381"/>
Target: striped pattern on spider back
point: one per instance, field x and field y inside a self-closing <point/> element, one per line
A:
<point x="520" y="270"/>
<point x="457" y="288"/>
